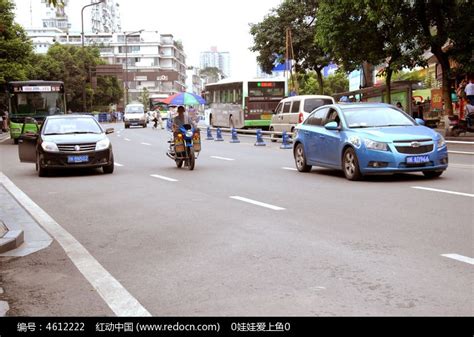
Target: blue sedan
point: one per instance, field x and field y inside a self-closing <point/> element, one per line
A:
<point x="368" y="138"/>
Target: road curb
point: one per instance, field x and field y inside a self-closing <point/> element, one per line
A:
<point x="11" y="239"/>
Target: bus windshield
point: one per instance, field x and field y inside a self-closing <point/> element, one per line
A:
<point x="37" y="103"/>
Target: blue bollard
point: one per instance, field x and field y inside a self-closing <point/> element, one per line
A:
<point x="219" y="135"/>
<point x="285" y="144"/>
<point x="209" y="134"/>
<point x="259" y="141"/>
<point x="234" y="139"/>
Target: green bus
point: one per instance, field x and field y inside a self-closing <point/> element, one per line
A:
<point x="244" y="103"/>
<point x="32" y="101"/>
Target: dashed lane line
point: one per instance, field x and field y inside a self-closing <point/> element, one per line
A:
<point x="148" y="144"/>
<point x="289" y="168"/>
<point x="162" y="177"/>
<point x="222" y="158"/>
<point x="443" y="191"/>
<point x="127" y="139"/>
<point x="112" y="292"/>
<point x="258" y="203"/>
<point x="461" y="152"/>
<point x="117" y="164"/>
<point x="461" y="258"/>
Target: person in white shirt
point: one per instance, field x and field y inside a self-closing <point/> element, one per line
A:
<point x="469" y="90"/>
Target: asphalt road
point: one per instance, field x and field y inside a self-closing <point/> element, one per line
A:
<point x="190" y="243"/>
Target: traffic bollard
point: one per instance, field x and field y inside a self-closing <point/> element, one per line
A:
<point x="219" y="135"/>
<point x="285" y="144"/>
<point x="234" y="139"/>
<point x="209" y="134"/>
<point x="259" y="141"/>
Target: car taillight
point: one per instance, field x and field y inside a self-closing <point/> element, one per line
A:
<point x="300" y="118"/>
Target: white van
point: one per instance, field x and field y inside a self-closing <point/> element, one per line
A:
<point x="294" y="110"/>
<point x="135" y="115"/>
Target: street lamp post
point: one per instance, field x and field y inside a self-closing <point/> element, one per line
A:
<point x="82" y="41"/>
<point x="126" y="63"/>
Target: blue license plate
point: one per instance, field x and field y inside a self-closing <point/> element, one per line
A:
<point x="77" y="159"/>
<point x="418" y="160"/>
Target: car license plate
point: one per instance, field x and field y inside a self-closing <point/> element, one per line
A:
<point x="417" y="159"/>
<point x="77" y="159"/>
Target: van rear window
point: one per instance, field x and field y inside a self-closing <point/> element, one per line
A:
<point x="312" y="103"/>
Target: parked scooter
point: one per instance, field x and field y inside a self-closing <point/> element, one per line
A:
<point x="458" y="126"/>
<point x="185" y="146"/>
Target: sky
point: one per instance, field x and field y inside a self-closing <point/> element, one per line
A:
<point x="198" y="24"/>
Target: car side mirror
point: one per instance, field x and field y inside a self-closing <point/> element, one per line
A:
<point x="109" y="130"/>
<point x="332" y="126"/>
<point x="419" y="121"/>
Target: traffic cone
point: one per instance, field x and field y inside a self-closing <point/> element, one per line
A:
<point x="259" y="141"/>
<point x="218" y="135"/>
<point x="209" y="134"/>
<point x="234" y="139"/>
<point x="285" y="144"/>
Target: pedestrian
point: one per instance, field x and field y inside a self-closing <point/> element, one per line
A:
<point x="469" y="90"/>
<point x="399" y="105"/>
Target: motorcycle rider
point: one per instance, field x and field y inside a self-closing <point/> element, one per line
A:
<point x="177" y="122"/>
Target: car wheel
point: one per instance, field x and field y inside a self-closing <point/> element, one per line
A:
<point x="350" y="165"/>
<point x="300" y="159"/>
<point x="109" y="168"/>
<point x="432" y="174"/>
<point x="272" y="136"/>
<point x="15" y="140"/>
<point x="42" y="171"/>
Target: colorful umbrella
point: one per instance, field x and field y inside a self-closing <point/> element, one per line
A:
<point x="184" y="98"/>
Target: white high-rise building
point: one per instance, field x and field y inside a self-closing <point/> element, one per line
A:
<point x="106" y="17"/>
<point x="215" y="59"/>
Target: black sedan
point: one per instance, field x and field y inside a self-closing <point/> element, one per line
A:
<point x="67" y="141"/>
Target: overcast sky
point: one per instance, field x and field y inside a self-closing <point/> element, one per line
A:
<point x="198" y="24"/>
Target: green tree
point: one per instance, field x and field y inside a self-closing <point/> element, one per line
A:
<point x="74" y="66"/>
<point x="369" y="31"/>
<point x="270" y="38"/>
<point x="144" y="97"/>
<point x="335" y="83"/>
<point x="15" y="47"/>
<point x="446" y="29"/>
<point x="211" y="74"/>
<point x="108" y="92"/>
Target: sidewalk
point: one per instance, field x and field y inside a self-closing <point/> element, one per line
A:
<point x="466" y="137"/>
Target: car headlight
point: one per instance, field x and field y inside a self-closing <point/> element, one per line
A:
<point x="373" y="145"/>
<point x="102" y="144"/>
<point x="49" y="147"/>
<point x="441" y="142"/>
<point x="189" y="133"/>
<point x="354" y="140"/>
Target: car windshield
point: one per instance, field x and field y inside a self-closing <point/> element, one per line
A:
<point x="134" y="109"/>
<point x="371" y="117"/>
<point x="62" y="126"/>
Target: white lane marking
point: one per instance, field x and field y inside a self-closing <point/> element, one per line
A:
<point x="461" y="152"/>
<point x="258" y="203"/>
<point x="112" y="292"/>
<point x="289" y="168"/>
<point x="466" y="166"/>
<point x="161" y="177"/>
<point x="117" y="164"/>
<point x="148" y="144"/>
<point x="443" y="191"/>
<point x="222" y="158"/>
<point x="126" y="139"/>
<point x="459" y="142"/>
<point x="458" y="257"/>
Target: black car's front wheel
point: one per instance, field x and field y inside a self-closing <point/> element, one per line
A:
<point x="300" y="159"/>
<point x="42" y="171"/>
<point x="350" y="165"/>
<point x="110" y="167"/>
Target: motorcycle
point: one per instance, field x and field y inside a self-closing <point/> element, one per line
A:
<point x="186" y="145"/>
<point x="458" y="126"/>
